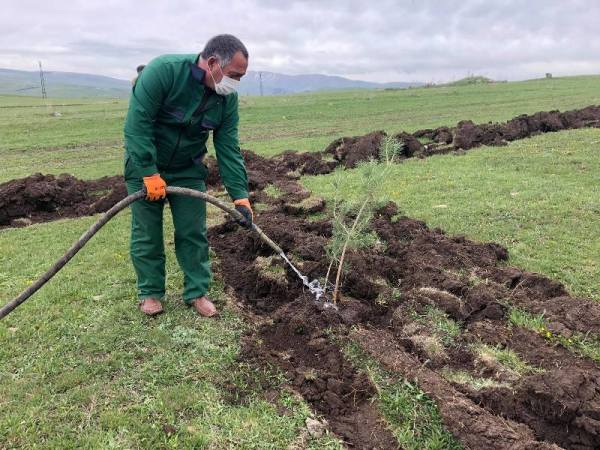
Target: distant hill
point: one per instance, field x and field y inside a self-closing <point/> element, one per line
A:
<point x="476" y="79"/>
<point x="62" y="84"/>
<point x="277" y="83"/>
<point x="69" y="84"/>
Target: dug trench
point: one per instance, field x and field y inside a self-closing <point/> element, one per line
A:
<point x="40" y="198"/>
<point x="387" y="292"/>
<point x="392" y="296"/>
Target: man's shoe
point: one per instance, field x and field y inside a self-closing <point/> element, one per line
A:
<point x="151" y="306"/>
<point x="204" y="306"/>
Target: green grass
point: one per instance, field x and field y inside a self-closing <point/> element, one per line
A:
<point x="583" y="344"/>
<point x="273" y="191"/>
<point x="270" y="125"/>
<point x="82" y="368"/>
<point x="412" y="416"/>
<point x="476" y="79"/>
<point x="507" y="358"/>
<point x="442" y="326"/>
<point x="521" y="318"/>
<point x="539" y="197"/>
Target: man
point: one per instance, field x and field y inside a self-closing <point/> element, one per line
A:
<point x="175" y="102"/>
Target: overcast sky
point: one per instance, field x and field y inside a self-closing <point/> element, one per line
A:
<point x="388" y="40"/>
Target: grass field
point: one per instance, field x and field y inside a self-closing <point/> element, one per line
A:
<point x="81" y="368"/>
<point x="269" y="125"/>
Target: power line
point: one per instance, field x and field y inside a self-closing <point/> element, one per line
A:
<point x="42" y="80"/>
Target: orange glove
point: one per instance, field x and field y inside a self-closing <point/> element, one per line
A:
<point x="155" y="187"/>
<point x="242" y="205"/>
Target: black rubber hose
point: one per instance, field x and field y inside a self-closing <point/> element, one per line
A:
<point x="85" y="237"/>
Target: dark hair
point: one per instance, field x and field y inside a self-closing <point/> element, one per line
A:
<point x="224" y="46"/>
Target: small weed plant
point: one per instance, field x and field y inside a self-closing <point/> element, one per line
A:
<point x="273" y="191"/>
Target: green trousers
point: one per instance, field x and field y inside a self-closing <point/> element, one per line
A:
<point x="191" y="245"/>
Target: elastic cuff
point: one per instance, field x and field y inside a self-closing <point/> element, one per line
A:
<point x="148" y="170"/>
<point x="159" y="297"/>
<point x="238" y="195"/>
<point x="188" y="301"/>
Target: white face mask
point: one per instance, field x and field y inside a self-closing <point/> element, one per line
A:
<point x="226" y="86"/>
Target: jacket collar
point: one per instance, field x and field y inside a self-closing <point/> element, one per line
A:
<point x="197" y="72"/>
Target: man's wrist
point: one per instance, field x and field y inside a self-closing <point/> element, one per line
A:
<point x="148" y="171"/>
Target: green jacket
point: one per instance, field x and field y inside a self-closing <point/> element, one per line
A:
<point x="170" y="115"/>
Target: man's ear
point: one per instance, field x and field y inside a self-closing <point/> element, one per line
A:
<point x="211" y="60"/>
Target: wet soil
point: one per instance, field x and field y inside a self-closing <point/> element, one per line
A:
<point x="298" y="343"/>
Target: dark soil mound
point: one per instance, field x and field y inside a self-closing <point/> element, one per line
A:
<point x="40" y="198"/>
<point x="298" y="343"/>
<point x="304" y="163"/>
<point x="468" y="135"/>
<point x="265" y="171"/>
<point x="411" y="146"/>
<point x="44" y="197"/>
<point x="349" y="151"/>
<point x="442" y="135"/>
<point x="383" y="291"/>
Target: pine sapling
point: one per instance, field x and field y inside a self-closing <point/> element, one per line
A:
<point x="372" y="175"/>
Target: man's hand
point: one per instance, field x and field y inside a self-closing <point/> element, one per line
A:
<point x="242" y="205"/>
<point x="155" y="187"/>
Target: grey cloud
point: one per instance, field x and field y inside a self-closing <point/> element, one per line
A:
<point x="387" y="41"/>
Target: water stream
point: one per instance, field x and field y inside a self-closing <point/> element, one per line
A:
<point x="313" y="286"/>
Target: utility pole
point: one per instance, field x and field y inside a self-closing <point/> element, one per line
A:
<point x="42" y="81"/>
<point x="260" y="81"/>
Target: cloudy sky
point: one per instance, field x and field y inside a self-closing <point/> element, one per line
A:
<point x="402" y="40"/>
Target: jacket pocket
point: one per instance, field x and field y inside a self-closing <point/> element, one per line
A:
<point x="129" y="168"/>
<point x="200" y="129"/>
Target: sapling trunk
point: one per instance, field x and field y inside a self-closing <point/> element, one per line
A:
<point x="328" y="272"/>
<point x="343" y="255"/>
